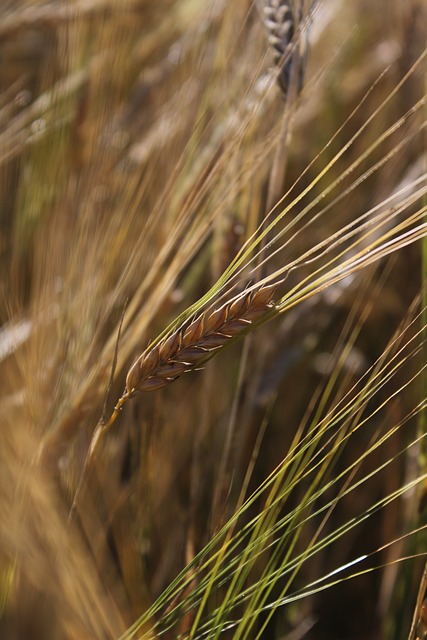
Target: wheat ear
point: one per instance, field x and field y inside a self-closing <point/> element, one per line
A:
<point x="184" y="350"/>
<point x="190" y="346"/>
<point x="280" y="22"/>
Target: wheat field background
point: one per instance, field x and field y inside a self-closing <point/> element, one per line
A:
<point x="262" y="259"/>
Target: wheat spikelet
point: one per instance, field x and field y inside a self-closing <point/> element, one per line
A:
<point x="190" y="346"/>
<point x="280" y="22"/>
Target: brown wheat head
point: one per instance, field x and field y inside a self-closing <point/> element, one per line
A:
<point x="192" y="345"/>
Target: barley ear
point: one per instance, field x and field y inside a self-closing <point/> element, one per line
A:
<point x="281" y="23"/>
<point x="192" y="345"/>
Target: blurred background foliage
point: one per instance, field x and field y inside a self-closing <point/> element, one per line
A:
<point x="142" y="142"/>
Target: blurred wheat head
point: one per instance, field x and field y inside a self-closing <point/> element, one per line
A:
<point x="149" y="162"/>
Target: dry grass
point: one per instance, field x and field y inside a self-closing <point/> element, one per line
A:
<point x="148" y="161"/>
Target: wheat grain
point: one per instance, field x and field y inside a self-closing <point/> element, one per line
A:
<point x="190" y="346"/>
